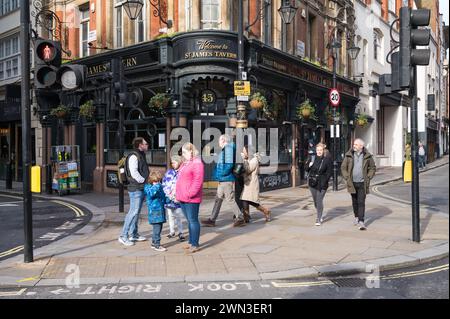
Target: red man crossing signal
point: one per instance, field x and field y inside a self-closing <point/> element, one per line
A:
<point x="47" y="60"/>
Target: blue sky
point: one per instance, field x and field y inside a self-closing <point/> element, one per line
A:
<point x="443" y="7"/>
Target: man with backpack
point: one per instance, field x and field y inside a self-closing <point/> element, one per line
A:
<point x="136" y="174"/>
<point x="225" y="190"/>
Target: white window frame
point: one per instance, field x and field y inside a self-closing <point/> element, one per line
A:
<point x="144" y="24"/>
<point x="188" y="14"/>
<point x="12" y="6"/>
<point x="392" y="5"/>
<point x="209" y="23"/>
<point x="378" y="45"/>
<point x="84" y="22"/>
<point x="10" y="64"/>
<point x="118" y="41"/>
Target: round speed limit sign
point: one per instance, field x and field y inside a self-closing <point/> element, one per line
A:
<point x="335" y="98"/>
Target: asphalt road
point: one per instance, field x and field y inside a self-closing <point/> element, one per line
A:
<point x="52" y="220"/>
<point x="433" y="189"/>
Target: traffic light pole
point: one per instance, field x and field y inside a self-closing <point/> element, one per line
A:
<point x="335" y="164"/>
<point x="415" y="158"/>
<point x="26" y="127"/>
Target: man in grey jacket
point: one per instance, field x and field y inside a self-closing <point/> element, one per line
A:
<point x="358" y="168"/>
<point x="137" y="173"/>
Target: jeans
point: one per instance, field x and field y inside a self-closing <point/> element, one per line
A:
<point x="174" y="216"/>
<point x="130" y="226"/>
<point x="225" y="190"/>
<point x="156" y="235"/>
<point x="359" y="201"/>
<point x="422" y="161"/>
<point x="318" y="200"/>
<point x="190" y="211"/>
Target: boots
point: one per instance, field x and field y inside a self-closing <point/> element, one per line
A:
<point x="246" y="214"/>
<point x="265" y="211"/>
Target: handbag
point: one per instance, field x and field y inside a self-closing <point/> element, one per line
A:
<point x="313" y="180"/>
<point x="238" y="169"/>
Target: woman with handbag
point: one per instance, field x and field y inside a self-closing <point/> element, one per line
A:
<point x="250" y="194"/>
<point x="319" y="173"/>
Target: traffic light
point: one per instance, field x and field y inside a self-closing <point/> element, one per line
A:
<point x="47" y="61"/>
<point x="119" y="84"/>
<point x="71" y="76"/>
<point x="410" y="37"/>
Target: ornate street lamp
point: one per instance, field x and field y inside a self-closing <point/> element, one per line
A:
<point x="133" y="8"/>
<point x="287" y="11"/>
<point x="353" y="51"/>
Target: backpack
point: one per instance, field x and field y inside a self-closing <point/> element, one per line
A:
<point x="122" y="169"/>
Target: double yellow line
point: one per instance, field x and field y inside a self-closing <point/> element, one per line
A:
<point x="387" y="277"/>
<point x="78" y="212"/>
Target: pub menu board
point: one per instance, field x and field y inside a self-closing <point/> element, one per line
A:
<point x="274" y="181"/>
<point x="112" y="179"/>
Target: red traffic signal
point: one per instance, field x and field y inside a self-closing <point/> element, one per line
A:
<point x="48" y="52"/>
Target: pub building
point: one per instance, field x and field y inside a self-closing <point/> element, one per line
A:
<point x="198" y="70"/>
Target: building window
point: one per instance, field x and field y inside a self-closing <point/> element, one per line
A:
<point x="377" y="46"/>
<point x="380" y="131"/>
<point x="9" y="57"/>
<point x="84" y="32"/>
<point x="140" y="26"/>
<point x="312" y="54"/>
<point x="188" y="13"/>
<point x="118" y="21"/>
<point x="268" y="24"/>
<point x="7" y="6"/>
<point x="210" y="14"/>
<point x="391" y="5"/>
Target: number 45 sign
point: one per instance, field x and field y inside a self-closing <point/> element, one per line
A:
<point x="334" y="97"/>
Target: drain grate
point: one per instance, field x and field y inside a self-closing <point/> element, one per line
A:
<point x="349" y="282"/>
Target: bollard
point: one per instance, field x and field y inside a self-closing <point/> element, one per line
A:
<point x="48" y="180"/>
<point x="8" y="179"/>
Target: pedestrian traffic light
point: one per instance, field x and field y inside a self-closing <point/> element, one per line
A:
<point x="47" y="61"/>
<point x="410" y="37"/>
<point x="384" y="86"/>
<point x="119" y="84"/>
<point x="71" y="76"/>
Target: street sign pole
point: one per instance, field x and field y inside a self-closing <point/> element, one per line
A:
<point x="26" y="128"/>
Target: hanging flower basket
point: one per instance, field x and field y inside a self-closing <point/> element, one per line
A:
<point x="158" y="103"/>
<point x="258" y="101"/>
<point x="60" y="112"/>
<point x="87" y="110"/>
<point x="361" y="120"/>
<point x="306" y="110"/>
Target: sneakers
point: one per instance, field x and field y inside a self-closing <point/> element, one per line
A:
<point x="138" y="238"/>
<point x="125" y="242"/>
<point x="362" y="226"/>
<point x="181" y="237"/>
<point x="318" y="222"/>
<point x="239" y="222"/>
<point x="171" y="235"/>
<point x="159" y="248"/>
<point x="208" y="223"/>
<point x="355" y="221"/>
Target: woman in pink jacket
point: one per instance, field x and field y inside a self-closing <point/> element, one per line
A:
<point x="189" y="190"/>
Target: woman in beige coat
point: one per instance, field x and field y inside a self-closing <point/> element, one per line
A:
<point x="250" y="194"/>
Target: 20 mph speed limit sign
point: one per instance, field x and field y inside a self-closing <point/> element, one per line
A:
<point x="335" y="98"/>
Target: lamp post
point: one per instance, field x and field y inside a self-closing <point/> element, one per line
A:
<point x="133" y="9"/>
<point x="353" y="51"/>
<point x="287" y="12"/>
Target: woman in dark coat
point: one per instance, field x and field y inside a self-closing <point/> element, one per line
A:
<point x="319" y="173"/>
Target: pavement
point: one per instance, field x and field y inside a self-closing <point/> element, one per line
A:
<point x="289" y="246"/>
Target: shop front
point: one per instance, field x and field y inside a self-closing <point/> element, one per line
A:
<point x="196" y="72"/>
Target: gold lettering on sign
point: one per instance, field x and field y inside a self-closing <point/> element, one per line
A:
<point x="129" y="62"/>
<point x="211" y="45"/>
<point x="95" y="69"/>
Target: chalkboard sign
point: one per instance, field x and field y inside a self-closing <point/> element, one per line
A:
<point x="274" y="181"/>
<point x="112" y="179"/>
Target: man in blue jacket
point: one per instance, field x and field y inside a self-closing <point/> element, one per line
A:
<point x="224" y="175"/>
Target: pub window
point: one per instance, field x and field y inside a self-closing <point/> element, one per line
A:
<point x="140" y="25"/>
<point x="91" y="140"/>
<point x="312" y="47"/>
<point x="188" y="13"/>
<point x="118" y="24"/>
<point x="380" y="131"/>
<point x="84" y="32"/>
<point x="210" y="14"/>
